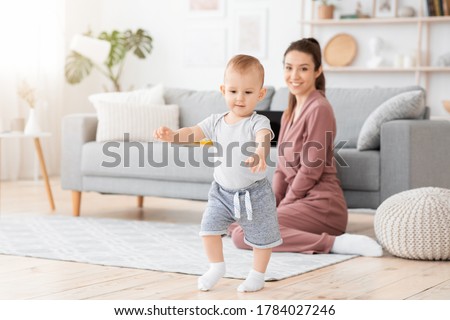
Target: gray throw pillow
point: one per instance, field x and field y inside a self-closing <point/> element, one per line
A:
<point x="408" y="105"/>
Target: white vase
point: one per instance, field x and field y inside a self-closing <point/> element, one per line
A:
<point x="32" y="126"/>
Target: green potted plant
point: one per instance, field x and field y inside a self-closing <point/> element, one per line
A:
<point x="79" y="66"/>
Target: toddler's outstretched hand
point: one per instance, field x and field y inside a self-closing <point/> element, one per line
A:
<point x="256" y="163"/>
<point x="164" y="134"/>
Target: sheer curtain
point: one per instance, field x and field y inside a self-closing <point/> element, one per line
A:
<point x="32" y="50"/>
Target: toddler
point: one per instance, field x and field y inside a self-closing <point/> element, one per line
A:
<point x="240" y="191"/>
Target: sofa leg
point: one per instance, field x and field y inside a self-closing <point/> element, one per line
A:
<point x="76" y="201"/>
<point x="140" y="201"/>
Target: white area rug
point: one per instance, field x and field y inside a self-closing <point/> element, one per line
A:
<point x="139" y="244"/>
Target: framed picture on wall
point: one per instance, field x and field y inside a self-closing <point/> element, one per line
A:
<point x="250" y="32"/>
<point x="385" y="9"/>
<point x="206" y="8"/>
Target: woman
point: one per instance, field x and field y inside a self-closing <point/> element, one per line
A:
<point x="312" y="212"/>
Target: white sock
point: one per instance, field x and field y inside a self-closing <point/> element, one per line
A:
<point x="356" y="244"/>
<point x="254" y="282"/>
<point x="212" y="276"/>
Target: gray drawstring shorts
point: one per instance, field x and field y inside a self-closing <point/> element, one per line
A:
<point x="253" y="208"/>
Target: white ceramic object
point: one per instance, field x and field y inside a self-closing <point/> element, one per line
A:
<point x="376" y="45"/>
<point x="32" y="126"/>
<point x="398" y="60"/>
<point x="406" y="12"/>
<point x="409" y="61"/>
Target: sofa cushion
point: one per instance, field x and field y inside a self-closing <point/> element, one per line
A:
<point x="98" y="160"/>
<point x="195" y="106"/>
<point x="115" y="119"/>
<point x="152" y="160"/>
<point x="407" y="105"/>
<point x="148" y="96"/>
<point x="361" y="171"/>
<point x="137" y="113"/>
<point x="352" y="106"/>
<point x="280" y="99"/>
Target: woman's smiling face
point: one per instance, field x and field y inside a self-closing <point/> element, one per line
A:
<point x="299" y="73"/>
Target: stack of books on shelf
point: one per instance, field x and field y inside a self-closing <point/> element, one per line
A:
<point x="436" y="8"/>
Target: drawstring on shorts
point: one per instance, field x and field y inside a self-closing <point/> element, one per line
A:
<point x="248" y="206"/>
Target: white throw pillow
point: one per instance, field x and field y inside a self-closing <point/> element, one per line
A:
<point x="152" y="97"/>
<point x="138" y="120"/>
<point x="407" y="105"/>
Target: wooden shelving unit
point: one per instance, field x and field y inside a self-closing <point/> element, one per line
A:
<point x="422" y="68"/>
<point x="377" y="21"/>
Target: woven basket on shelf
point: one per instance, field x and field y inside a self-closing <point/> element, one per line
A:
<point x="415" y="224"/>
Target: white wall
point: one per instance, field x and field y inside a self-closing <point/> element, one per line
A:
<point x="168" y="22"/>
<point x="81" y="15"/>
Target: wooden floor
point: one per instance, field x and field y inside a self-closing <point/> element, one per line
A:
<point x="29" y="278"/>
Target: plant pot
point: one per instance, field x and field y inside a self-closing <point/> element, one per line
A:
<point x="326" y="12"/>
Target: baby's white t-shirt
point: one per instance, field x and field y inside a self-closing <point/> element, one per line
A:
<point x="233" y="144"/>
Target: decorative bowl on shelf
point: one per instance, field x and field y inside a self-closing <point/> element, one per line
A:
<point x="340" y="50"/>
<point x="446" y="104"/>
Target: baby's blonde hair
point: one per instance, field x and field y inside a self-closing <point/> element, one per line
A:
<point x="242" y="63"/>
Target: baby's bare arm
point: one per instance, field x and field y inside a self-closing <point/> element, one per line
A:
<point x="263" y="143"/>
<point x="257" y="162"/>
<point x="183" y="135"/>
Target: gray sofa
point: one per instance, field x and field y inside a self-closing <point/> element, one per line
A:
<point x="413" y="153"/>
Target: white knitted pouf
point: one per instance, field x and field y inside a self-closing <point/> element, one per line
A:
<point x="415" y="224"/>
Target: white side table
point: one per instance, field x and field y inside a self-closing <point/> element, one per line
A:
<point x="37" y="144"/>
